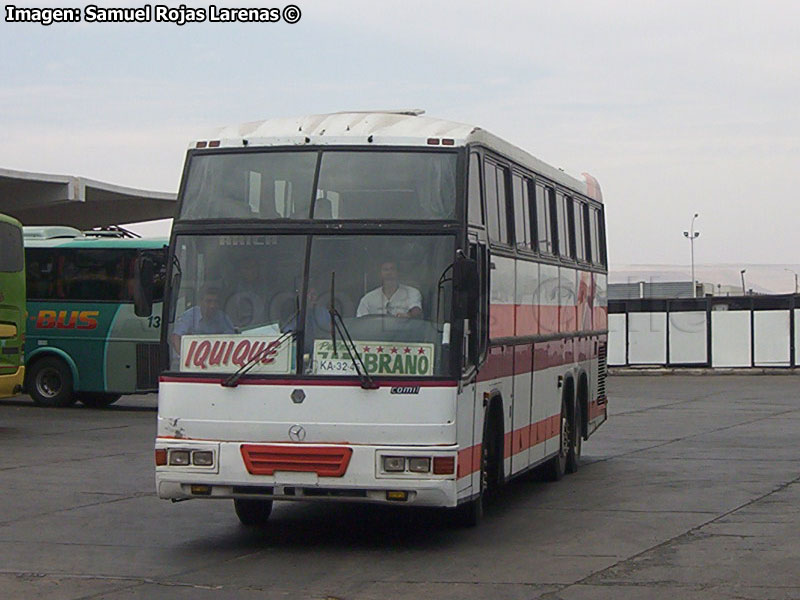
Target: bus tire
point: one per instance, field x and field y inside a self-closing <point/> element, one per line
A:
<point x="251" y="512"/>
<point x="49" y="382"/>
<point x="470" y="513"/>
<point x="98" y="399"/>
<point x="576" y="441"/>
<point x="556" y="467"/>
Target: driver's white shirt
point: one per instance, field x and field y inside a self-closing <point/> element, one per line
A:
<point x="376" y="303"/>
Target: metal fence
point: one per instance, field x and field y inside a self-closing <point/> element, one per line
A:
<point x="717" y="332"/>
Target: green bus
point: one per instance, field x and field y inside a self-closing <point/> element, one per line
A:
<point x="12" y="307"/>
<point x="84" y="340"/>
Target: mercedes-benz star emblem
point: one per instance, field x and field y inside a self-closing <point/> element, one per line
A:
<point x="297" y="433"/>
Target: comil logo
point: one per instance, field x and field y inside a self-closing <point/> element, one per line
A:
<point x="66" y="319"/>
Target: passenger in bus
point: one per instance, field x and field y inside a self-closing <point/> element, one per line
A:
<point x="392" y="298"/>
<point x="245" y="306"/>
<point x="206" y="318"/>
<point x="318" y="320"/>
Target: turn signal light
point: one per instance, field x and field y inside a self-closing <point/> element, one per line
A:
<point x="161" y="457"/>
<point x="444" y="465"/>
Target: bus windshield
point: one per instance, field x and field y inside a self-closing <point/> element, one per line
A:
<point x="352" y="184"/>
<point x="237" y="295"/>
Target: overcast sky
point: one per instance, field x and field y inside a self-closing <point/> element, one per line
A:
<point x="676" y="107"/>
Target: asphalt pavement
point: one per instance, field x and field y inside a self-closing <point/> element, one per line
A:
<point x="691" y="490"/>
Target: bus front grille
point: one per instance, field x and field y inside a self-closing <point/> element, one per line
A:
<point x="148" y="366"/>
<point x="325" y="461"/>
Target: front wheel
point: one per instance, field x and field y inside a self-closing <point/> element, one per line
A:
<point x="471" y="513"/>
<point x="252" y="513"/>
<point x="98" y="399"/>
<point x="49" y="383"/>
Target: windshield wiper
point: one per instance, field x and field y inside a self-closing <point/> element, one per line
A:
<point x="337" y="324"/>
<point x="233" y="380"/>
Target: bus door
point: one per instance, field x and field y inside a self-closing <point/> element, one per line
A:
<point x="470" y="407"/>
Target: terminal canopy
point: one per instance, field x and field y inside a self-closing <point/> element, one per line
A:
<point x="40" y="199"/>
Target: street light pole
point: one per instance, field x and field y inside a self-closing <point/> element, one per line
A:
<point x="692" y="235"/>
<point x="742" y="272"/>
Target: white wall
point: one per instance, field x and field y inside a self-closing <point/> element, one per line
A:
<point x="616" y="339"/>
<point x="688" y="341"/>
<point x="647" y="338"/>
<point x="735" y="341"/>
<point x="730" y="338"/>
<point x="772" y="343"/>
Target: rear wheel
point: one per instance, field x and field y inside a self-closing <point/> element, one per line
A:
<point x="557" y="466"/>
<point x="49" y="382"/>
<point x="98" y="399"/>
<point x="576" y="441"/>
<point x="252" y="513"/>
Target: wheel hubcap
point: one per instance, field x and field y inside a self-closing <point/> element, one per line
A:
<point x="48" y="383"/>
<point x="484" y="469"/>
<point x="564" y="436"/>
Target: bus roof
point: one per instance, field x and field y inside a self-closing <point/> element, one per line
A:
<point x="11" y="220"/>
<point x="384" y="128"/>
<point x="68" y="237"/>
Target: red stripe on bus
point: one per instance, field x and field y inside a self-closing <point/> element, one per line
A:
<point x="500" y="360"/>
<point x="501" y="320"/>
<point x="508" y="320"/>
<point x="519" y="440"/>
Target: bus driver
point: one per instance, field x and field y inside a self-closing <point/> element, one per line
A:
<point x="392" y="298"/>
<point x="204" y="318"/>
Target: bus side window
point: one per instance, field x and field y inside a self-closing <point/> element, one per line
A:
<point x="41" y="273"/>
<point x="520" y="212"/>
<point x="492" y="218"/>
<point x="504" y="208"/>
<point x="578" y="230"/>
<point x="11" y="260"/>
<point x="601" y="238"/>
<point x="564" y="239"/>
<point x="542" y="217"/>
<point x="474" y="210"/>
<point x="587" y="233"/>
<point x="527" y="213"/>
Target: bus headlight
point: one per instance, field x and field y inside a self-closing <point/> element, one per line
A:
<point x="419" y="464"/>
<point x="393" y="464"/>
<point x="179" y="458"/>
<point x="203" y="458"/>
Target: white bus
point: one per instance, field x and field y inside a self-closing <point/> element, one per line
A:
<point x="377" y="307"/>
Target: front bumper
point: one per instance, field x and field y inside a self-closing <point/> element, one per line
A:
<point x="12" y="384"/>
<point x="363" y="480"/>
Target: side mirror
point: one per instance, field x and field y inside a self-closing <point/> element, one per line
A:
<point x="465" y="286"/>
<point x="143" y="275"/>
